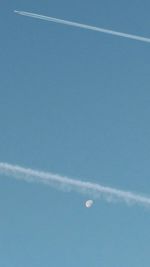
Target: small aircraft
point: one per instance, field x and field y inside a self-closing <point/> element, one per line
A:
<point x="89" y="203"/>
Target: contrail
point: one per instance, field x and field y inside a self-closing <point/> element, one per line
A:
<point x="84" y="26"/>
<point x="68" y="184"/>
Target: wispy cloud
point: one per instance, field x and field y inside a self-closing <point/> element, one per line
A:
<point x="68" y="184"/>
<point x="84" y="26"/>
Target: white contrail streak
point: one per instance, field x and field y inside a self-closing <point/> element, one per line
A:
<point x="87" y="27"/>
<point x="68" y="184"/>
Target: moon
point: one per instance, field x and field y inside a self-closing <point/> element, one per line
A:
<point x="89" y="203"/>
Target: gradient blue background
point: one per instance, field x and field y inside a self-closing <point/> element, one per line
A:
<point x="77" y="103"/>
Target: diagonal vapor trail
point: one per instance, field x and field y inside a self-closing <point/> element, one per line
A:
<point x="68" y="184"/>
<point x="84" y="26"/>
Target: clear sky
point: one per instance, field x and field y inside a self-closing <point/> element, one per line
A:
<point x="74" y="102"/>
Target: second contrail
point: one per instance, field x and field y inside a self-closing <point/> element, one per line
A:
<point x="84" y="26"/>
<point x="68" y="184"/>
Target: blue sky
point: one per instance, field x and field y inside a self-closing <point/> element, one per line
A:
<point x="76" y="103"/>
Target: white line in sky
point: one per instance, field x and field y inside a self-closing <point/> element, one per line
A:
<point x="68" y="184"/>
<point x="87" y="27"/>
